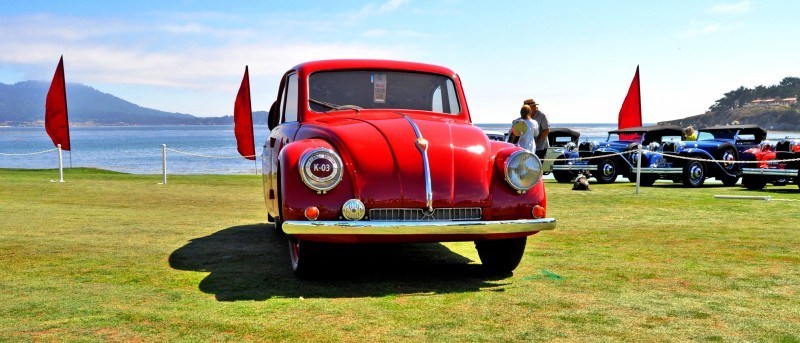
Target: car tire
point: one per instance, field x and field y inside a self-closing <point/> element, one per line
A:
<point x="646" y="180"/>
<point x="729" y="181"/>
<point x="563" y="176"/>
<point x="606" y="171"/>
<point x="302" y="256"/>
<point x="753" y="183"/>
<point x="501" y="256"/>
<point x="694" y="174"/>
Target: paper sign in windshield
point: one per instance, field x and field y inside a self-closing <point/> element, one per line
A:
<point x="379" y="88"/>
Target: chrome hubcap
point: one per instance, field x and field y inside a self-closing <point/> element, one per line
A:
<point x="728" y="156"/>
<point x="696" y="172"/>
<point x="608" y="169"/>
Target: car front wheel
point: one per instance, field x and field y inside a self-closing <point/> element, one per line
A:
<point x="606" y="171"/>
<point x="753" y="182"/>
<point x="563" y="176"/>
<point x="302" y="257"/>
<point x="501" y="256"/>
<point x="694" y="174"/>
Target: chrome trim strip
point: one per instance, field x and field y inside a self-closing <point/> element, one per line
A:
<point x="425" y="165"/>
<point x="657" y="170"/>
<point x="772" y="172"/>
<point x="298" y="227"/>
<point x="574" y="167"/>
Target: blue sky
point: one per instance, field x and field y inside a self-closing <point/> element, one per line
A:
<point x="576" y="58"/>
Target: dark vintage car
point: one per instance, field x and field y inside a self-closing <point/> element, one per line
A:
<point x="496" y="135"/>
<point x="711" y="155"/>
<point x="609" y="159"/>
<point x="777" y="164"/>
<point x="375" y="151"/>
<point x="562" y="140"/>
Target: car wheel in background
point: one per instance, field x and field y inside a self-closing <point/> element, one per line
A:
<point x="646" y="180"/>
<point x="606" y="171"/>
<point x="501" y="256"/>
<point x="729" y="180"/>
<point x="752" y="182"/>
<point x="563" y="176"/>
<point x="729" y="155"/>
<point x="694" y="174"/>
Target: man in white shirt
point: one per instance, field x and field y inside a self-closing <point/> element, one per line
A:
<point x="544" y="128"/>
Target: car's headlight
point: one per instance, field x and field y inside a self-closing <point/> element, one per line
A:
<point x="653" y="146"/>
<point x="321" y="169"/>
<point x="569" y="146"/>
<point x="523" y="170"/>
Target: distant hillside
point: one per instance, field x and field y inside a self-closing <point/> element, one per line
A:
<point x="756" y="105"/>
<point x="23" y="104"/>
<point x="781" y="119"/>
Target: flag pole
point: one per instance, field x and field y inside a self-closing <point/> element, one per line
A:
<point x="60" y="165"/>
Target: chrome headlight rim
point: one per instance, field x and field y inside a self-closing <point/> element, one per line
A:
<point x="316" y="183"/>
<point x="654" y="146"/>
<point x="520" y="188"/>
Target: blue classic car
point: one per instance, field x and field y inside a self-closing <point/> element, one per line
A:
<point x="687" y="161"/>
<point x="609" y="159"/>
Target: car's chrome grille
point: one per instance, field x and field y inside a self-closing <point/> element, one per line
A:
<point x="585" y="146"/>
<point x="418" y="214"/>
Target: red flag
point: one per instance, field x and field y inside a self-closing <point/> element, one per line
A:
<point x="55" y="109"/>
<point x="243" y="120"/>
<point x="630" y="115"/>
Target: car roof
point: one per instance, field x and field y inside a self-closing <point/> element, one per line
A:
<point x="563" y="131"/>
<point x="361" y="64"/>
<point x="745" y="129"/>
<point x="651" y="128"/>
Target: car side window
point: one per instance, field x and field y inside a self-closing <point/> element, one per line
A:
<point x="290" y="99"/>
<point x="445" y="102"/>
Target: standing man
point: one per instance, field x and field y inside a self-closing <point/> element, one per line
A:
<point x="544" y="128"/>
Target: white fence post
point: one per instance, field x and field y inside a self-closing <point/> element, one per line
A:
<point x="60" y="165"/>
<point x="638" y="167"/>
<point x="164" y="162"/>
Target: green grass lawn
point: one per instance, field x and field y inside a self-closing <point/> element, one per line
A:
<point x="109" y="256"/>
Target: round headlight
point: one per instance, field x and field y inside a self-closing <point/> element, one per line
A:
<point x="653" y="146"/>
<point x="321" y="169"/>
<point x="523" y="170"/>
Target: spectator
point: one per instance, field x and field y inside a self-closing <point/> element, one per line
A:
<point x="524" y="130"/>
<point x="689" y="134"/>
<point x="544" y="128"/>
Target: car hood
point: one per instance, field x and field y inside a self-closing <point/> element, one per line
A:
<point x="382" y="158"/>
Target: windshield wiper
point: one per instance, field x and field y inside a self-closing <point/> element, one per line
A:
<point x="334" y="106"/>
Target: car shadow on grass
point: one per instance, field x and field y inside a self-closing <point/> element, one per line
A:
<point x="251" y="262"/>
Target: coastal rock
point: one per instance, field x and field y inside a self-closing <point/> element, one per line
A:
<point x="770" y="118"/>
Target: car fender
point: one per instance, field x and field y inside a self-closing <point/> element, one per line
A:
<point x="295" y="196"/>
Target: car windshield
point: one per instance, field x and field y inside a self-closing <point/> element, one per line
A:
<point x="379" y="89"/>
<point x="708" y="135"/>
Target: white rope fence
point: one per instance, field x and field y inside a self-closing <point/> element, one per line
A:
<point x="206" y="156"/>
<point x="30" y="153"/>
<point x="164" y="150"/>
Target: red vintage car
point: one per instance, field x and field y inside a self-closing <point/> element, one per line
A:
<point x="375" y="151"/>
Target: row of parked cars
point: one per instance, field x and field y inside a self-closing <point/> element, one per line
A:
<point x="719" y="152"/>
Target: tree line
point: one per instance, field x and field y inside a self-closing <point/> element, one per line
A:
<point x="789" y="87"/>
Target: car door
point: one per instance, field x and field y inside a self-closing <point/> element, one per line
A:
<point x="283" y="120"/>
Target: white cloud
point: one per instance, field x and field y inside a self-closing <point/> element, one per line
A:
<point x="391" y="6"/>
<point x="734" y="8"/>
<point x="700" y="30"/>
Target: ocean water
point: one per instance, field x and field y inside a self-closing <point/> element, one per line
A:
<point x="137" y="149"/>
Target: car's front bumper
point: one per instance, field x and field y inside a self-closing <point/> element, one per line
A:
<point x="575" y="167"/>
<point x="769" y="171"/>
<point x="660" y="170"/>
<point x="419" y="228"/>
